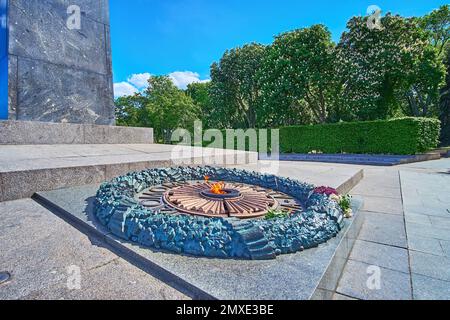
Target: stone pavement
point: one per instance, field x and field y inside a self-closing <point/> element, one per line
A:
<point x="37" y="248"/>
<point x="426" y="201"/>
<point x="406" y="234"/>
<point x="319" y="174"/>
<point x="381" y="242"/>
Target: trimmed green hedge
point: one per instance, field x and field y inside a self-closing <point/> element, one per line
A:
<point x="396" y="136"/>
<point x="246" y="141"/>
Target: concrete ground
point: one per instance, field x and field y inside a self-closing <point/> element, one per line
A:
<point x="43" y="252"/>
<point x="404" y="243"/>
<point x="319" y="174"/>
<point x="405" y="236"/>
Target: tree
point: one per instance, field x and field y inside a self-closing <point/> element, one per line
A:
<point x="130" y="111"/>
<point x="445" y="104"/>
<point x="235" y="89"/>
<point x="299" y="82"/>
<point x="199" y="92"/>
<point x="388" y="72"/>
<point x="437" y="26"/>
<point x="162" y="106"/>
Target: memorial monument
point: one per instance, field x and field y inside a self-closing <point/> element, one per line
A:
<point x="56" y="83"/>
<point x="56" y="61"/>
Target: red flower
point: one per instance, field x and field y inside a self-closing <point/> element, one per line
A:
<point x="326" y="190"/>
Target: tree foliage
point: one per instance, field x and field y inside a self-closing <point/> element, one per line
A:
<point x="298" y="78"/>
<point x="161" y="106"/>
<point x="437" y="26"/>
<point x="304" y="78"/>
<point x="235" y="87"/>
<point x="199" y="92"/>
<point x="388" y="72"/>
<point x="445" y="104"/>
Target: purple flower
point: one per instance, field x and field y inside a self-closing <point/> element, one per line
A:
<point x="326" y="190"/>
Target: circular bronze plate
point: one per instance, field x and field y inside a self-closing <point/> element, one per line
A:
<point x="194" y="199"/>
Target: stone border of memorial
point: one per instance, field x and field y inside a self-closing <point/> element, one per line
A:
<point x="117" y="208"/>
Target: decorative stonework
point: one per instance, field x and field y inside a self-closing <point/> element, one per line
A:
<point x="131" y="208"/>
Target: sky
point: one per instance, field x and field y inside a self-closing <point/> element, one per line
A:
<point x="181" y="38"/>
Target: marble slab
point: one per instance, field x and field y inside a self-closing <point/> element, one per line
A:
<point x="58" y="73"/>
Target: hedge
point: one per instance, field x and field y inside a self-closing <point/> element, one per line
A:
<point x="396" y="136"/>
<point x="247" y="147"/>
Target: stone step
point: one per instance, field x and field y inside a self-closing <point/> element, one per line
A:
<point x="254" y="239"/>
<point x="373" y="160"/>
<point x="26" y="169"/>
<point x="34" y="132"/>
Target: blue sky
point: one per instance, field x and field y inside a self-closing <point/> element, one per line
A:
<point x="183" y="37"/>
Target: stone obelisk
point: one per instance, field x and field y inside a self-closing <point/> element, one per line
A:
<point x="55" y="59"/>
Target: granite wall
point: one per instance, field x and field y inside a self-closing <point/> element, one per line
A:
<point x="3" y="61"/>
<point x="57" y="73"/>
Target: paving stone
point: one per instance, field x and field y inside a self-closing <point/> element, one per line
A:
<point x="129" y="283"/>
<point x="421" y="192"/>
<point x="387" y="177"/>
<point x="442" y="164"/>
<point x="425" y="245"/>
<point x="381" y="255"/>
<point x="441" y="222"/>
<point x="418" y="218"/>
<point x="338" y="296"/>
<point x="426" y="209"/>
<point x="368" y="188"/>
<point x="430" y="265"/>
<point x="37" y="248"/>
<point x="424" y="231"/>
<point x="426" y="288"/>
<point x="384" y="228"/>
<point x="394" y="285"/>
<point x="445" y="247"/>
<point x="383" y="204"/>
<point x="315" y="173"/>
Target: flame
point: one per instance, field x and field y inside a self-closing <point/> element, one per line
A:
<point x="217" y="188"/>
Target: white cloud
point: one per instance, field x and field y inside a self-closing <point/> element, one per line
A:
<point x="139" y="80"/>
<point x="182" y="78"/>
<point x="124" y="89"/>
